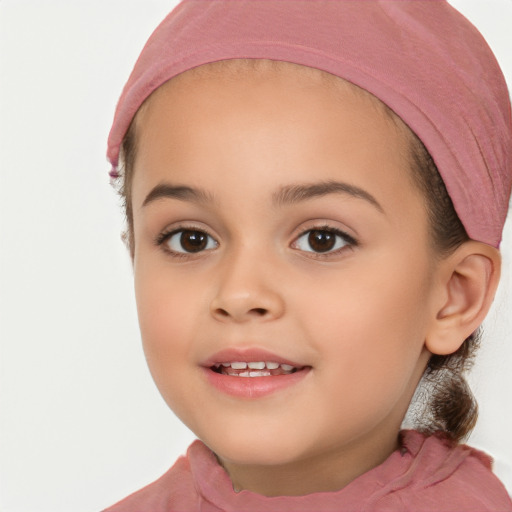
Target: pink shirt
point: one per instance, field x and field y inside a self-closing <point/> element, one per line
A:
<point x="427" y="474"/>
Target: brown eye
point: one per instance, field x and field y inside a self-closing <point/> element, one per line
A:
<point x="193" y="241"/>
<point x="190" y="241"/>
<point x="323" y="241"/>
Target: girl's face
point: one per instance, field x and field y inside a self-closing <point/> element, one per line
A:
<point x="275" y="222"/>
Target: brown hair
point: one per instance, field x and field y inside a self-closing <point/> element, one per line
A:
<point x="443" y="401"/>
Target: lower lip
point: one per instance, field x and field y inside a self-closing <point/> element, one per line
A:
<point x="253" y="387"/>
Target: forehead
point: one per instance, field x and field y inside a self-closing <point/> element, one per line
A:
<point x="271" y="115"/>
<point x="266" y="78"/>
<point x="252" y="70"/>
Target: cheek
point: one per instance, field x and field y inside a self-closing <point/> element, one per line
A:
<point x="373" y="323"/>
<point x="168" y="322"/>
<point x="372" y="352"/>
<point x="168" y="318"/>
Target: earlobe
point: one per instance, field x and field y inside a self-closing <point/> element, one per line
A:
<point x="471" y="276"/>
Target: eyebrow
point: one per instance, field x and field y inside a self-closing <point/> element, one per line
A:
<point x="182" y="192"/>
<point x="289" y="194"/>
<point x="297" y="193"/>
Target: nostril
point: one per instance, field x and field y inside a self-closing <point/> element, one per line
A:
<point x="259" y="311"/>
<point x="241" y="310"/>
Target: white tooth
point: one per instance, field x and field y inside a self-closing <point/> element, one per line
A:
<point x="257" y="366"/>
<point x="244" y="374"/>
<point x="272" y="366"/>
<point x="287" y="367"/>
<point x="239" y="366"/>
<point x="226" y="365"/>
<point x="260" y="374"/>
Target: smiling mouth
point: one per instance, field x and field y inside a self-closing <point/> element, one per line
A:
<point x="254" y="368"/>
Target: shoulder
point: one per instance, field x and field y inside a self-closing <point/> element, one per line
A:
<point x="445" y="476"/>
<point x="175" y="490"/>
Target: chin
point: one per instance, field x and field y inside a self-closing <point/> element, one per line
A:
<point x="256" y="450"/>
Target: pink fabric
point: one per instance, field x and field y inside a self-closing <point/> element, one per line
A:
<point x="422" y="58"/>
<point x="426" y="475"/>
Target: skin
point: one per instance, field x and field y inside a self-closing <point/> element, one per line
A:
<point x="359" y="316"/>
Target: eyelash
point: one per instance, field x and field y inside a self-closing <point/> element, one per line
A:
<point x="350" y="242"/>
<point x="165" y="236"/>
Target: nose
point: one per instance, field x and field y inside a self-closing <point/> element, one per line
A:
<point x="247" y="290"/>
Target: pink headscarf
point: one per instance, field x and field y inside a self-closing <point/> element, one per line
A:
<point x="420" y="57"/>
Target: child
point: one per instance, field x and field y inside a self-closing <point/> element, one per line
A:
<point x="315" y="194"/>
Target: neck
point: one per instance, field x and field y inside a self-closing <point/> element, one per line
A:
<point x="327" y="472"/>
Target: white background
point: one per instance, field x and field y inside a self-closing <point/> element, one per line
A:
<point x="82" y="424"/>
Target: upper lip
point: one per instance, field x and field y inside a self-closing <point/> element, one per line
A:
<point x="248" y="355"/>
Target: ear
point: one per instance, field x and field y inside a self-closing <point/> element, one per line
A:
<point x="468" y="281"/>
